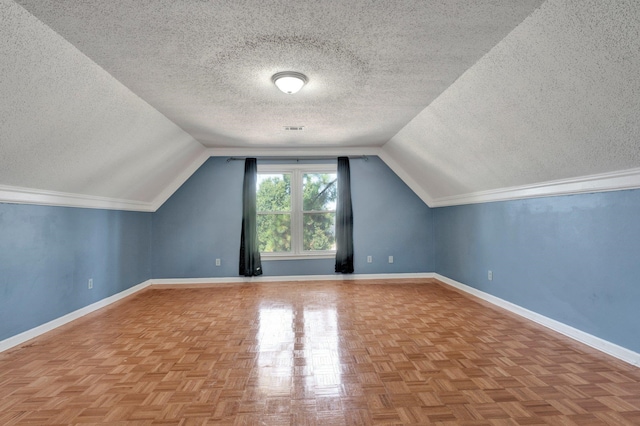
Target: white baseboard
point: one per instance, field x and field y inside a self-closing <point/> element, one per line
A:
<point x="18" y="339"/>
<point x="602" y="345"/>
<point x="266" y="279"/>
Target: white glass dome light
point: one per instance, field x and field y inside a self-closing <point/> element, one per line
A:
<point x="289" y="82"/>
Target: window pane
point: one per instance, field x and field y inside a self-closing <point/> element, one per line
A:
<point x="273" y="192"/>
<point x="320" y="191"/>
<point x="319" y="231"/>
<point x="274" y="233"/>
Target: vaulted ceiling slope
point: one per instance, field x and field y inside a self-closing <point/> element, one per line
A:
<point x="70" y="131"/>
<point x="114" y="104"/>
<point x="552" y="108"/>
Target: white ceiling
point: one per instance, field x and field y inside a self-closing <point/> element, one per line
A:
<point x="558" y="98"/>
<point x="123" y="99"/>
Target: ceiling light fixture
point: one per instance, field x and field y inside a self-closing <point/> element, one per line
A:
<point x="289" y="82"/>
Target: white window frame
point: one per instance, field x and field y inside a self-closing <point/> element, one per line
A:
<point x="297" y="171"/>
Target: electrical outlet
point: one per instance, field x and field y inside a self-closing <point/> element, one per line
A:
<point x="390" y="259"/>
<point x="90" y="285"/>
<point x="217" y="262"/>
<point x="490" y="275"/>
<point x="369" y="259"/>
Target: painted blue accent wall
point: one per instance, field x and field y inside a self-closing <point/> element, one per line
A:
<point x="48" y="254"/>
<point x="201" y="222"/>
<point x="389" y="219"/>
<point x="575" y="259"/>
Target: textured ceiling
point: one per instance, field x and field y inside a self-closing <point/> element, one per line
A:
<point x="207" y="65"/>
<point x="558" y="98"/>
<point x="121" y="99"/>
<point x="68" y="126"/>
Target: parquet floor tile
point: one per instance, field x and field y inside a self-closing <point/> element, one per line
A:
<point x="311" y="353"/>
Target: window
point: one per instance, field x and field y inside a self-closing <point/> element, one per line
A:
<point x="296" y="210"/>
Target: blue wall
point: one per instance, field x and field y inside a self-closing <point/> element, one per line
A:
<point x="575" y="259"/>
<point x="48" y="254"/>
<point x="389" y="219"/>
<point x="201" y="222"/>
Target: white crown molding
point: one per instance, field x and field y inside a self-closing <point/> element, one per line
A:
<point x="613" y="181"/>
<point x="293" y="152"/>
<point x="19" y="339"/>
<point x="19" y="195"/>
<point x="602" y="345"/>
<point x="603" y="182"/>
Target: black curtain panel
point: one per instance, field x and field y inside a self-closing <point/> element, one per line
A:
<point x="250" y="263"/>
<point x="344" y="219"/>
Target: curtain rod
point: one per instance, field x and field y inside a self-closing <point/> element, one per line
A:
<point x="351" y="157"/>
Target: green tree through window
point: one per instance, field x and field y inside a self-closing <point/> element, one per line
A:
<point x="319" y="196"/>
<point x="273" y="203"/>
<point x="296" y="211"/>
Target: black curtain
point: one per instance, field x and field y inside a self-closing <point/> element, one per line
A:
<point x="250" y="264"/>
<point x="344" y="219"/>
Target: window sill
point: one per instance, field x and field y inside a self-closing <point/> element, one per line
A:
<point x="269" y="256"/>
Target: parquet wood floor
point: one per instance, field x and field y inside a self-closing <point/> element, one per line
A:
<point x="311" y="353"/>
